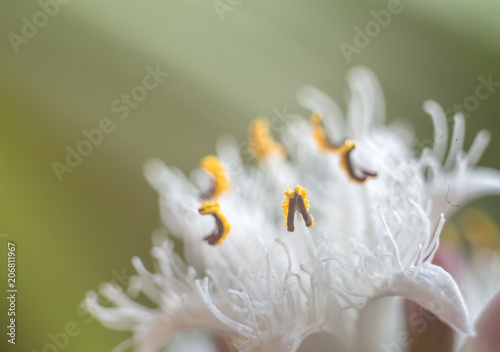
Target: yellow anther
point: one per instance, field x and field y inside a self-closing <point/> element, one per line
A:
<point x="319" y="133"/>
<point x="222" y="226"/>
<point x="219" y="176"/>
<point x="295" y="201"/>
<point x="346" y="163"/>
<point x="344" y="152"/>
<point x="261" y="144"/>
<point x="299" y="190"/>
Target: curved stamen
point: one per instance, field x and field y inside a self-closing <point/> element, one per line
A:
<point x="261" y="144"/>
<point x="319" y="133"/>
<point x="346" y="163"/>
<point x="222" y="226"/>
<point x="296" y="201"/>
<point x="220" y="178"/>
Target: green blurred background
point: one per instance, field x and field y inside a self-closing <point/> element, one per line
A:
<point x="224" y="71"/>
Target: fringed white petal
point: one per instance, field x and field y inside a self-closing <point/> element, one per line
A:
<point x="435" y="290"/>
<point x="117" y="318"/>
<point x="432" y="288"/>
<point x="450" y="192"/>
<point x="190" y="317"/>
<point x="440" y="129"/>
<point x="366" y="105"/>
<point x="457" y="141"/>
<point x="478" y="147"/>
<point x="269" y="289"/>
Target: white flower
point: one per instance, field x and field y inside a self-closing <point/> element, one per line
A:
<point x="267" y="289"/>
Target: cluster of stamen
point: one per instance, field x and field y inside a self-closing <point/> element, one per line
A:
<point x="262" y="145"/>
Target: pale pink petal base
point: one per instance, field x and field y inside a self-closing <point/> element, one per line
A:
<point x="488" y="330"/>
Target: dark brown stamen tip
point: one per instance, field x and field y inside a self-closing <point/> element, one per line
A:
<point x="352" y="172"/>
<point x="291" y="214"/>
<point x="215" y="236"/>
<point x="303" y="211"/>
